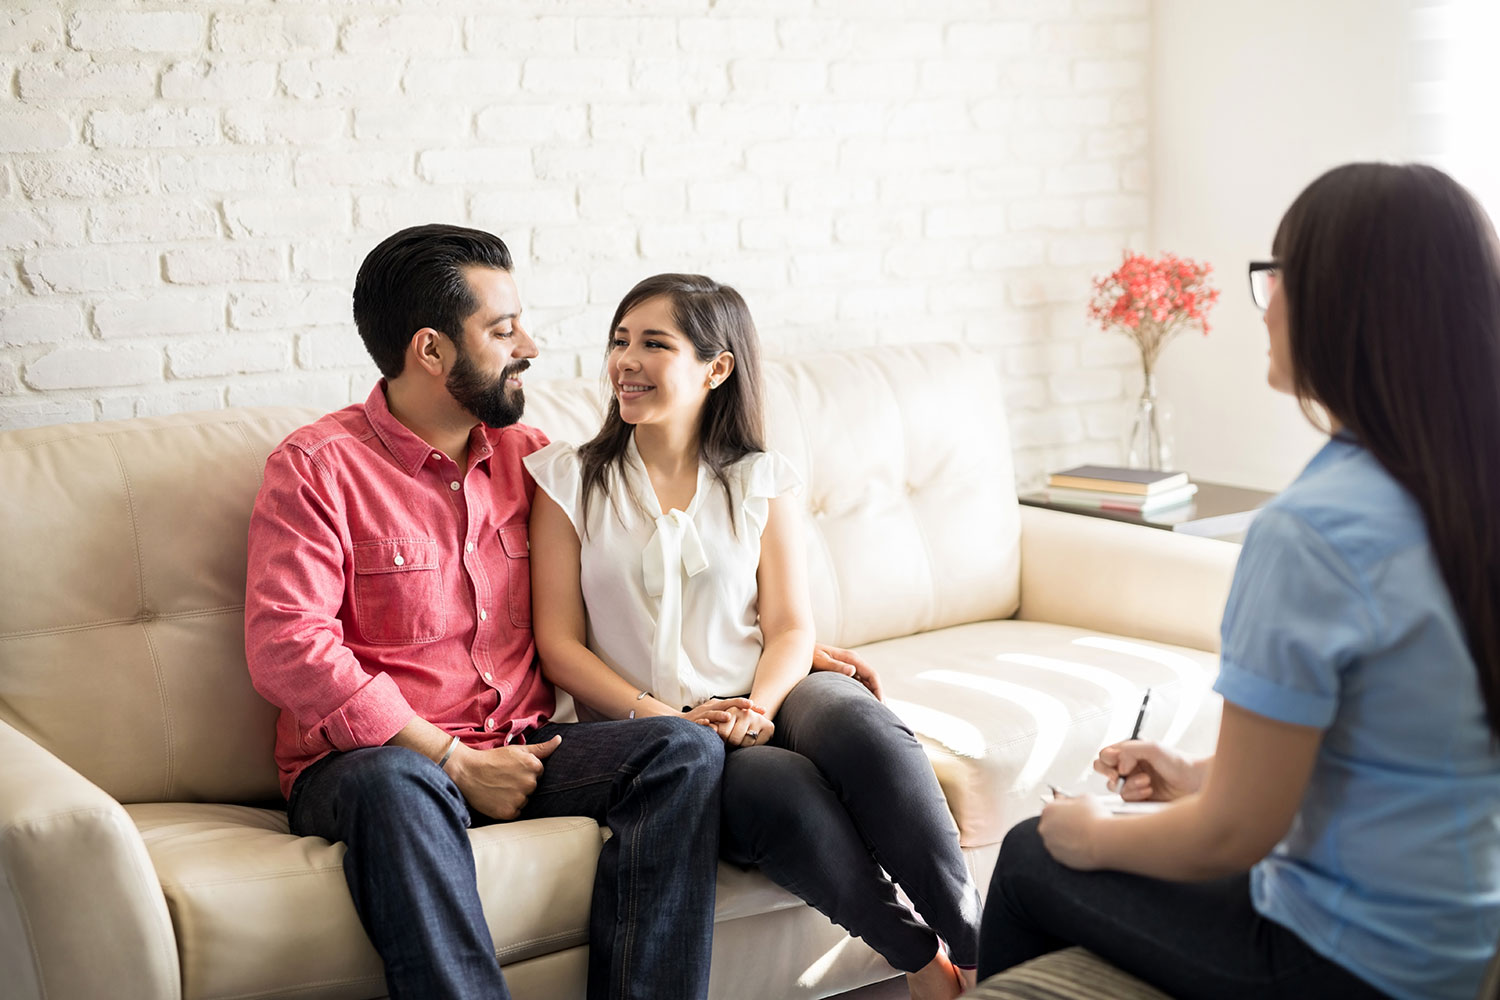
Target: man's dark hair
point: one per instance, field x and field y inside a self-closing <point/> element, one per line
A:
<point x="415" y="279"/>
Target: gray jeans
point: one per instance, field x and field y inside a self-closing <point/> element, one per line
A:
<point x="839" y="808"/>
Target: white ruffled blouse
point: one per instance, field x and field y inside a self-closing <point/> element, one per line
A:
<point x="671" y="597"/>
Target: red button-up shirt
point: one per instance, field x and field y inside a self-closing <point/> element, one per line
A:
<point x="386" y="583"/>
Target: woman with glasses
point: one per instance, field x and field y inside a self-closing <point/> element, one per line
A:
<point x="1344" y="839"/>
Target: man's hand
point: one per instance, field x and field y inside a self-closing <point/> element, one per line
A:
<point x="498" y="782"/>
<point x="848" y="663"/>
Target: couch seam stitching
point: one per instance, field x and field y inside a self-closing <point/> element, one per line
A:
<point x="166" y="712"/>
<point x="142" y="613"/>
<point x="105" y="622"/>
<point x="250" y="452"/>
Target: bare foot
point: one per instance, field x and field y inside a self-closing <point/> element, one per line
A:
<point x="939" y="979"/>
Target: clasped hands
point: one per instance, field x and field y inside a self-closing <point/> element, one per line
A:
<point x="1141" y="771"/>
<point x="742" y="723"/>
<point x="739" y="722"/>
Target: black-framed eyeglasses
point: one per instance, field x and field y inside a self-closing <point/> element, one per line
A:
<point x="1262" y="279"/>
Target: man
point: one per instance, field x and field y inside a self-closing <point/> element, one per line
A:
<point x="388" y="617"/>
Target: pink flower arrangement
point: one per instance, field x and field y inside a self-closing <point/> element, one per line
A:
<point x="1154" y="300"/>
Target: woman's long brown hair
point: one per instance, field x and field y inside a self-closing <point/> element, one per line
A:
<point x="1391" y="278"/>
<point x="715" y="318"/>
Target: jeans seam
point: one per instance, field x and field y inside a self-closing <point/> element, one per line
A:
<point x="633" y="868"/>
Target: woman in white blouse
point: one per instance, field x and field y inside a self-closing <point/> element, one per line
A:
<point x="668" y="579"/>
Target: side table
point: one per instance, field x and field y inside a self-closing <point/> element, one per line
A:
<point x="1216" y="511"/>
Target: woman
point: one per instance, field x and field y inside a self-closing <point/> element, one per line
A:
<point x="668" y="573"/>
<point x="1356" y="776"/>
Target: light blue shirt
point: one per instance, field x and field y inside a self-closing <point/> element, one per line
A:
<point x="1339" y="618"/>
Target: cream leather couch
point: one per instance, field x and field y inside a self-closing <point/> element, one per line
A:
<point x="143" y="852"/>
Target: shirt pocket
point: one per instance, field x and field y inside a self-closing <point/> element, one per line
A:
<point x="517" y="546"/>
<point x="398" y="591"/>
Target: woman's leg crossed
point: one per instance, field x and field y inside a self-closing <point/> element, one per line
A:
<point x="881" y="774"/>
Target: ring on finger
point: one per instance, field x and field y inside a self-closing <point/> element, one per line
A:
<point x="754" y="734"/>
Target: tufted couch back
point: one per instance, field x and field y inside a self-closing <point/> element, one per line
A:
<point x="121" y="619"/>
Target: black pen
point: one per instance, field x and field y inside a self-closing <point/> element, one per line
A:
<point x="1140" y="716"/>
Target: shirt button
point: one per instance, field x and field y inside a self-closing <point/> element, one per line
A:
<point x="488" y="676"/>
<point x="489" y="723"/>
<point x="483" y="614"/>
<point x="469" y="547"/>
<point x="436" y="457"/>
<point x="400" y="560"/>
<point x="454" y="487"/>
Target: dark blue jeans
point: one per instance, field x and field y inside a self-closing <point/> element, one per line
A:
<point x="410" y="868"/>
<point x="839" y="803"/>
<point x="1189" y="939"/>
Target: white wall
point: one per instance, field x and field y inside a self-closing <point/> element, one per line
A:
<point x="1252" y="102"/>
<point x="186" y="188"/>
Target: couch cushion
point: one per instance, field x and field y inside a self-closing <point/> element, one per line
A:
<point x="122" y="647"/>
<point x="240" y="888"/>
<point x="1005" y="707"/>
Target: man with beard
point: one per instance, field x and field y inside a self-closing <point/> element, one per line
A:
<point x="388" y="617"/>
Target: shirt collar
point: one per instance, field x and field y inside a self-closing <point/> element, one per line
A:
<point x="1337" y="446"/>
<point x="409" y="450"/>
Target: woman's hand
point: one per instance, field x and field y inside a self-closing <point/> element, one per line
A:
<point x="720" y="714"/>
<point x="1070" y="828"/>
<point x="1141" y="770"/>
<point x="751" y="728"/>
<point x="848" y="663"/>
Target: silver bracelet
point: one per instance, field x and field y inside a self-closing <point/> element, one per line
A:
<point x="448" y="752"/>
<point x="637" y="698"/>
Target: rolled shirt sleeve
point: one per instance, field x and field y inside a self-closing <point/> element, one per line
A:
<point x="294" y="639"/>
<point x="1297" y="616"/>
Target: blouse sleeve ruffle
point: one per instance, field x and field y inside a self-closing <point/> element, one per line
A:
<point x="557" y="471"/>
<point x="765" y="476"/>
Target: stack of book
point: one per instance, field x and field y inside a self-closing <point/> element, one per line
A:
<point x="1103" y="487"/>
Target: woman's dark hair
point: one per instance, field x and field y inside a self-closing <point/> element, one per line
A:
<point x="1391" y="280"/>
<point x="415" y="279"/>
<point x="715" y="318"/>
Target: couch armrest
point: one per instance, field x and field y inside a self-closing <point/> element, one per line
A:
<point x="81" y="911"/>
<point x="1091" y="572"/>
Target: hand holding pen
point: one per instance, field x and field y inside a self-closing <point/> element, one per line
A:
<point x="1135" y="734"/>
<point x="1141" y="770"/>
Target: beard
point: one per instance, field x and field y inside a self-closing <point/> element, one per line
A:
<point x="487" y="398"/>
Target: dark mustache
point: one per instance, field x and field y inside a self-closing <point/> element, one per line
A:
<point x="515" y="368"/>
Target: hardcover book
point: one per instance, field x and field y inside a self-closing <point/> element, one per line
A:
<point x="1109" y="479"/>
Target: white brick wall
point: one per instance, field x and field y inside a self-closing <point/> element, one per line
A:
<point x="186" y="192"/>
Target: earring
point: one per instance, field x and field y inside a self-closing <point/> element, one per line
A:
<point x="713" y="383"/>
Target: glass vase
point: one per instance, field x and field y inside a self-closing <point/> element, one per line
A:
<point x="1149" y="445"/>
